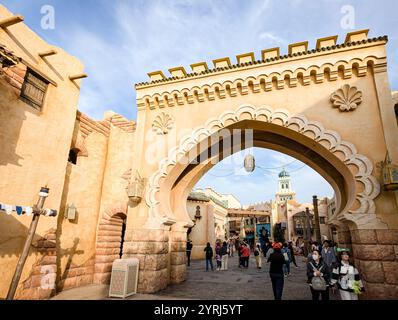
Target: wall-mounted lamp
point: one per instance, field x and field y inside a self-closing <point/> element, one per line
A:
<point x="135" y="189"/>
<point x="197" y="214"/>
<point x="390" y="174"/>
<point x="70" y="212"/>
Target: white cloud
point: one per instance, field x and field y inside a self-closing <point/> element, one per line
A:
<point x="272" y="39"/>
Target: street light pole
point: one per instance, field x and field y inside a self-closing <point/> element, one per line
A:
<point x="317" y="227"/>
<point x="43" y="194"/>
<point x="308" y="229"/>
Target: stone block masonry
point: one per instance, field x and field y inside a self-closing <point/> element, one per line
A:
<point x="151" y="248"/>
<point x="376" y="257"/>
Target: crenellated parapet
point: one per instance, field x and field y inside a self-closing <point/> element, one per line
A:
<point x="300" y="67"/>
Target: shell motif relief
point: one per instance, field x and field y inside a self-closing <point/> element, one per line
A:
<point x="346" y="98"/>
<point x="163" y="123"/>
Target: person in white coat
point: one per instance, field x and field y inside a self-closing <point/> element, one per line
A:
<point x="347" y="277"/>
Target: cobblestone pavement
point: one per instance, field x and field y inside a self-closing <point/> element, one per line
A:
<point x="233" y="284"/>
<point x="239" y="284"/>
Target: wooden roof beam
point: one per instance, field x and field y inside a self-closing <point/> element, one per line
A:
<point x="47" y="53"/>
<point x="5" y="23"/>
<point x="78" y="76"/>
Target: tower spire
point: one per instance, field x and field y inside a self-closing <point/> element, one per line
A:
<point x="285" y="191"/>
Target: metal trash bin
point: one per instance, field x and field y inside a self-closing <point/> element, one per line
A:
<point x="124" y="278"/>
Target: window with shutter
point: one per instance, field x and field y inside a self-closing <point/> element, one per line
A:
<point x="34" y="89"/>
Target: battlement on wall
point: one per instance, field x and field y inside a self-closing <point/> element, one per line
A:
<point x="356" y="57"/>
<point x="300" y="49"/>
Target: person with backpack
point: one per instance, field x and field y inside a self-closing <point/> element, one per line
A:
<point x="209" y="256"/>
<point x="257" y="255"/>
<point x="318" y="277"/>
<point x="277" y="261"/>
<point x="224" y="256"/>
<point x="286" y="254"/>
<point x="347" y="277"/>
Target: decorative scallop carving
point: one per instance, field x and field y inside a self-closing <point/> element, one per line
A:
<point x="163" y="123"/>
<point x="297" y="123"/>
<point x="346" y="98"/>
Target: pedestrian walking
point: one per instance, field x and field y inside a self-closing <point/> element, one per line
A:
<point x="286" y="254"/>
<point x="209" y="256"/>
<point x="257" y="255"/>
<point x="218" y="256"/>
<point x="318" y="277"/>
<point x="347" y="277"/>
<point x="231" y="246"/>
<point x="224" y="256"/>
<point x="269" y="252"/>
<point x="290" y="246"/>
<point x="240" y="255"/>
<point x="328" y="256"/>
<point x="277" y="261"/>
<point x="245" y="255"/>
<point x="189" y="250"/>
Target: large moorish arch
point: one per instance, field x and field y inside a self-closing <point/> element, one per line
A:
<point x="349" y="173"/>
<point x="330" y="107"/>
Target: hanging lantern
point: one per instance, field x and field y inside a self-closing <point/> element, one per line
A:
<point x="390" y="175"/>
<point x="249" y="163"/>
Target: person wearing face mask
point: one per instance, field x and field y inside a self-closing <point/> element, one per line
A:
<point x="347" y="277"/>
<point x="317" y="269"/>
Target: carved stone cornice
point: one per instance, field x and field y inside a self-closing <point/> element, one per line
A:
<point x="265" y="82"/>
<point x="348" y="45"/>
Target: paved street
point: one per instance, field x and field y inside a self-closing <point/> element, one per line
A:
<point x="234" y="284"/>
<point x="239" y="284"/>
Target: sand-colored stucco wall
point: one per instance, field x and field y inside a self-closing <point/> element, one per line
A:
<point x="36" y="145"/>
<point x="77" y="238"/>
<point x="205" y="229"/>
<point x="200" y="232"/>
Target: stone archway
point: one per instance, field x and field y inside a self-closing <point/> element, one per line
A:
<point x="349" y="173"/>
<point x="308" y="101"/>
<point x="109" y="242"/>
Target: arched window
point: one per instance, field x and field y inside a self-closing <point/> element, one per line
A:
<point x="73" y="153"/>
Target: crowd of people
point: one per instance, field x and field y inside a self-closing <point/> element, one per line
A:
<point x="329" y="268"/>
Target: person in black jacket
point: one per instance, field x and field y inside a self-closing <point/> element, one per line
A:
<point x="290" y="246"/>
<point x="317" y="268"/>
<point x="277" y="261"/>
<point x="209" y="256"/>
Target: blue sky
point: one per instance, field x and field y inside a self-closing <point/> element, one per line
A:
<point x="119" y="42"/>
